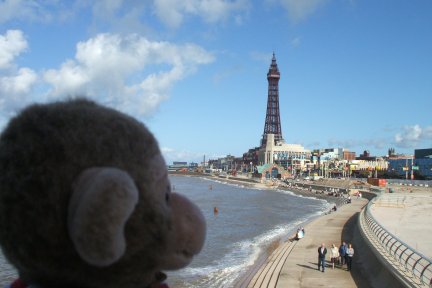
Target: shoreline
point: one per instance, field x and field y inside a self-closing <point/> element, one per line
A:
<point x="267" y="250"/>
<point x="250" y="183"/>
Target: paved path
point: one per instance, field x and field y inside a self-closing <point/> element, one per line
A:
<point x="300" y="268"/>
<point x="294" y="264"/>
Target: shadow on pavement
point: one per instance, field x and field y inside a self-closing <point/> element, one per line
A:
<point x="348" y="235"/>
<point x="309" y="267"/>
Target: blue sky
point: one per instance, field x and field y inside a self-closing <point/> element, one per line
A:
<point x="354" y="74"/>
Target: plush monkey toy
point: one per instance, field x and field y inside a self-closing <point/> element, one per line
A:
<point x="85" y="201"/>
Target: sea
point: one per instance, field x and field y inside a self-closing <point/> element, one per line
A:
<point x="249" y="223"/>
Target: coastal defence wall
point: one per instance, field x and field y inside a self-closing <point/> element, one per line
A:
<point x="381" y="269"/>
<point x="370" y="263"/>
<point x="372" y="270"/>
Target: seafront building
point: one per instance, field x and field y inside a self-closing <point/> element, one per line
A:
<point x="417" y="166"/>
<point x="334" y="154"/>
<point x="292" y="157"/>
<point x="423" y="163"/>
<point x="274" y="156"/>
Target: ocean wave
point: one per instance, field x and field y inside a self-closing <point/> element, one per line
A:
<point x="242" y="256"/>
<point x="223" y="269"/>
<point x="326" y="203"/>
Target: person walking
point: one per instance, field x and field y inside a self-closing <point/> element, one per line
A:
<point x="350" y="254"/>
<point x="334" y="255"/>
<point x="342" y="253"/>
<point x="322" y="251"/>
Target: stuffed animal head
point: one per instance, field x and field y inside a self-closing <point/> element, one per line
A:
<point x="85" y="200"/>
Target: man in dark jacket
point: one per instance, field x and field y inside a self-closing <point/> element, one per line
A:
<point x="322" y="251"/>
<point x="342" y="253"/>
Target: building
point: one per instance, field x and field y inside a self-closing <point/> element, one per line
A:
<point x="334" y="154"/>
<point x="347" y="155"/>
<point x="292" y="157"/>
<point x="178" y="166"/>
<point x="423" y="153"/>
<point x="417" y="166"/>
<point x="400" y="166"/>
<point x="422" y="167"/>
<point x="227" y="163"/>
<point x="377" y="164"/>
<point x="250" y="159"/>
<point x="366" y="156"/>
<point x="273" y="149"/>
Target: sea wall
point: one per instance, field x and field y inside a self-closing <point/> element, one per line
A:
<point x="371" y="263"/>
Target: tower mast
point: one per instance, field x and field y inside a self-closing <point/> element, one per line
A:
<point x="272" y="121"/>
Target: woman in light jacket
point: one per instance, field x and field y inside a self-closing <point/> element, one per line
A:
<point x="350" y="254"/>
<point x="334" y="255"/>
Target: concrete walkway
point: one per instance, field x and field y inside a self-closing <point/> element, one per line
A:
<point x="300" y="268"/>
<point x="294" y="264"/>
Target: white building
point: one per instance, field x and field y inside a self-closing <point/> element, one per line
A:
<point x="289" y="156"/>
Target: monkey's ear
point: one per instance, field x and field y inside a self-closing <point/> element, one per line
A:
<point x="102" y="201"/>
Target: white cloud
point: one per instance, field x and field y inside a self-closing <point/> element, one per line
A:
<point x="25" y="9"/>
<point x="18" y="84"/>
<point x="130" y="72"/>
<point x="107" y="7"/>
<point x="122" y="15"/>
<point x="299" y="10"/>
<point x="411" y="136"/>
<point x="14" y="92"/>
<point x="172" y="12"/>
<point x="12" y="44"/>
<point x="15" y="83"/>
<point x="172" y="155"/>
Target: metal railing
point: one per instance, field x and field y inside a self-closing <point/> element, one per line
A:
<point x="409" y="260"/>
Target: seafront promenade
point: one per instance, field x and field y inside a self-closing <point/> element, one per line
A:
<point x="300" y="268"/>
<point x="405" y="213"/>
<point x="295" y="263"/>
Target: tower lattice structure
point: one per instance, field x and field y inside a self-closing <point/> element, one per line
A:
<point x="272" y="120"/>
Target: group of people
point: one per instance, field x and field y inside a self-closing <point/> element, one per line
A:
<point x="342" y="255"/>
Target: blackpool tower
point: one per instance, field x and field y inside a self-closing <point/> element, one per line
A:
<point x="272" y="120"/>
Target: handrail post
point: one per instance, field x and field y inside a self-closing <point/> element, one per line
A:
<point x="421" y="274"/>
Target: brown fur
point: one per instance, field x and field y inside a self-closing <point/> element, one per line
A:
<point x="42" y="151"/>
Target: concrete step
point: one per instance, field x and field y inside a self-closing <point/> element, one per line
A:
<point x="268" y="274"/>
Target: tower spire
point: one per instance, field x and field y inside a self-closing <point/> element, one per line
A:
<point x="272" y="121"/>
